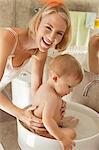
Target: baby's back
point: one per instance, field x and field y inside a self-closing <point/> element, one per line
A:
<point x="44" y="95"/>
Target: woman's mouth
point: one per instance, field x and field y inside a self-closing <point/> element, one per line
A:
<point x="45" y="43"/>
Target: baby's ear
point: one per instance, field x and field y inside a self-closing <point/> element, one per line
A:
<point x="55" y="77"/>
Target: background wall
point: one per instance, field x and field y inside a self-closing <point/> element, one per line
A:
<point x="83" y="5"/>
<point x="18" y="12"/>
<point x="7" y="12"/>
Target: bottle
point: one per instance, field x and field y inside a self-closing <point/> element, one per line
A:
<point x="96" y="26"/>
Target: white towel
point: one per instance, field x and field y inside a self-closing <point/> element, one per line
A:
<point x="80" y="33"/>
<point x="90" y="20"/>
<point x="81" y="22"/>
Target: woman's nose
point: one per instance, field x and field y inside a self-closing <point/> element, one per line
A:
<point x="51" y="37"/>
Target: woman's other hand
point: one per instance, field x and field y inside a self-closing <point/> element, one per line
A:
<point x="63" y="108"/>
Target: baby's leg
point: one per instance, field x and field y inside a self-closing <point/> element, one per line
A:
<point x="70" y="132"/>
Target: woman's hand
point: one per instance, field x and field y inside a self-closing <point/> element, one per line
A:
<point x="31" y="121"/>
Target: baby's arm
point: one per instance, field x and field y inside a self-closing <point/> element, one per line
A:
<point x="51" y="125"/>
<point x="67" y="121"/>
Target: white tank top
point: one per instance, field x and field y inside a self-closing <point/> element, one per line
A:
<point x="10" y="72"/>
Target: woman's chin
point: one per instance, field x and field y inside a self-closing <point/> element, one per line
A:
<point x="41" y="49"/>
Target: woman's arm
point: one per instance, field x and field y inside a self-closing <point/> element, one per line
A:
<point x="38" y="62"/>
<point x="93" y="54"/>
<point x="25" y="115"/>
<point x="7" y="41"/>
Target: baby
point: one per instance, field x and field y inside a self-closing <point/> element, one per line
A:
<point x="64" y="73"/>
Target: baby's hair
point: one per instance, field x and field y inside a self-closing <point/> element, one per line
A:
<point x="66" y="65"/>
<point x="50" y="8"/>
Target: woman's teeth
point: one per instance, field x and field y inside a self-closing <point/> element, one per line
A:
<point x="46" y="42"/>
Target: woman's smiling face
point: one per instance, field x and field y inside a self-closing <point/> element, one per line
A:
<point x="50" y="31"/>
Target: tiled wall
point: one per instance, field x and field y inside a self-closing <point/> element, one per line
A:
<point x="17" y="12"/>
<point x="83" y="5"/>
<point x="7" y="12"/>
<point x="25" y="9"/>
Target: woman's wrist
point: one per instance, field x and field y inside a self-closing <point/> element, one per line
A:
<point x="18" y="112"/>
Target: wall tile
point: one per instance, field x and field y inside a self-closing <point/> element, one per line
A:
<point x="7" y="12"/>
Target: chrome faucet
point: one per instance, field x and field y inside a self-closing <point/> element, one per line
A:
<point x="87" y="87"/>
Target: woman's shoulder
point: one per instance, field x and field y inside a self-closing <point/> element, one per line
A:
<point x="7" y="42"/>
<point x="11" y="32"/>
<point x="6" y="35"/>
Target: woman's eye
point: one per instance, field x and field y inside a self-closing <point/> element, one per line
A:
<point x="48" y="28"/>
<point x="59" y="33"/>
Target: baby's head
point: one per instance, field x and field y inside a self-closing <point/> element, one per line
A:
<point x="66" y="72"/>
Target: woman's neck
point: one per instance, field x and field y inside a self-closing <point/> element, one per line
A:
<point x="26" y="42"/>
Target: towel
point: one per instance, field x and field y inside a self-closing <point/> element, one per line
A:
<point x="81" y="25"/>
<point x="90" y="20"/>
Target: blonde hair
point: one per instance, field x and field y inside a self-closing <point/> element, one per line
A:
<point x="66" y="65"/>
<point x="52" y="7"/>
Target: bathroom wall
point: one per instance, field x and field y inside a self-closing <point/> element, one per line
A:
<point x="83" y="5"/>
<point x="7" y="12"/>
<point x="18" y="12"/>
<point x="25" y="9"/>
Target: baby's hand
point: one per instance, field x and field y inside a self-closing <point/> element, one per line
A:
<point x="68" y="143"/>
<point x="63" y="108"/>
<point x="67" y="138"/>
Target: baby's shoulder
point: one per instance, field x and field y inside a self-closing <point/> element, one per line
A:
<point x="45" y="87"/>
<point x="48" y="91"/>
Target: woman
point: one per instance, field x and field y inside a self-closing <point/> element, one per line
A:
<point x="50" y="27"/>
